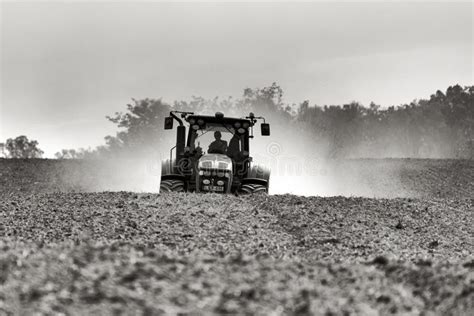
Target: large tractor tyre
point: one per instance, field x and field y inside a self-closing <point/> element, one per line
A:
<point x="167" y="186"/>
<point x="253" y="188"/>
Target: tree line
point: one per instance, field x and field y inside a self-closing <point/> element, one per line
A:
<point x="441" y="126"/>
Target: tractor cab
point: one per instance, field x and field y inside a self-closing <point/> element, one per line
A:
<point x="214" y="156"/>
<point x="226" y="136"/>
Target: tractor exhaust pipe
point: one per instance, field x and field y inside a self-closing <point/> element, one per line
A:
<point x="180" y="141"/>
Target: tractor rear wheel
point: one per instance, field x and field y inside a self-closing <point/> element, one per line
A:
<point x="171" y="186"/>
<point x="252" y="188"/>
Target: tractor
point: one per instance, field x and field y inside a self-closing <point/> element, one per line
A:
<point x="222" y="167"/>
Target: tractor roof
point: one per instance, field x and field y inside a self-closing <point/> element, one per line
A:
<point x="218" y="119"/>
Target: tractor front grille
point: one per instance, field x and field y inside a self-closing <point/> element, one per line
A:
<point x="214" y="180"/>
<point x="210" y="172"/>
<point x="223" y="165"/>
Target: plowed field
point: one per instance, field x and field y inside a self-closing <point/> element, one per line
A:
<point x="65" y="249"/>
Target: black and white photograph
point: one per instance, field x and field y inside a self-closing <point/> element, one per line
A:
<point x="236" y="157"/>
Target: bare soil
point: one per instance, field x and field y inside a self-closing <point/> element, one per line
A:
<point x="66" y="250"/>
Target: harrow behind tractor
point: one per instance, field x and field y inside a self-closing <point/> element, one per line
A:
<point x="222" y="166"/>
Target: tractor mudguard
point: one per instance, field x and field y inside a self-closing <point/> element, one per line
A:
<point x="168" y="170"/>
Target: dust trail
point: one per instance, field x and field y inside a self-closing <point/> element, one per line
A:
<point x="298" y="163"/>
<point x="312" y="176"/>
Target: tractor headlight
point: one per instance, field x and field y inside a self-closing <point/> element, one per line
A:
<point x="241" y="130"/>
<point x="237" y="124"/>
<point x="246" y="125"/>
<point x="195" y="127"/>
<point x="201" y="122"/>
<point x="220" y="182"/>
<point x="206" y="181"/>
<point x="192" y="121"/>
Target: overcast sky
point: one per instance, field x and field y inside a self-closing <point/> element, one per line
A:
<point x="64" y="66"/>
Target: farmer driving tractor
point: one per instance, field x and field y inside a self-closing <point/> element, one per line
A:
<point x="218" y="146"/>
<point x="225" y="168"/>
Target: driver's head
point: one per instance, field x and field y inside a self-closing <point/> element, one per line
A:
<point x="217" y="135"/>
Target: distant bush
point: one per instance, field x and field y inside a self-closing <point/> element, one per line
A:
<point x="20" y="147"/>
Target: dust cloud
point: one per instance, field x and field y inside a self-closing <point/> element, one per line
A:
<point x="301" y="166"/>
<point x="298" y="166"/>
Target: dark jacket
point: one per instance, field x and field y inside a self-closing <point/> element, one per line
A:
<point x="218" y="147"/>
